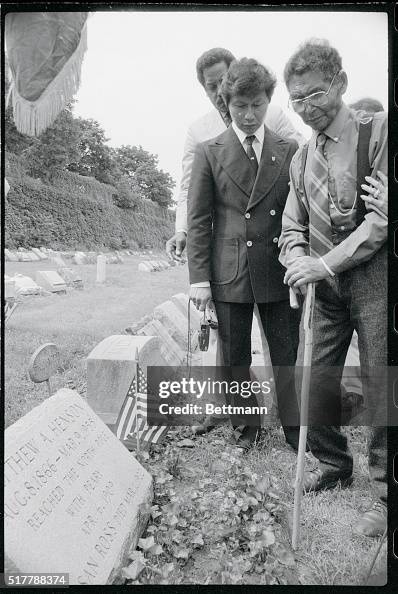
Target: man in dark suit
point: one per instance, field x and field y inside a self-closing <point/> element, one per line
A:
<point x="237" y="194"/>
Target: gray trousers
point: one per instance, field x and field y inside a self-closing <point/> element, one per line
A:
<point x="352" y="300"/>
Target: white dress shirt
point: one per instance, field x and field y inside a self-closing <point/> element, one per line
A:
<point x="257" y="142"/>
<point x="258" y="148"/>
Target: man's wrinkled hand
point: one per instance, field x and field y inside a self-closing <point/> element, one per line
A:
<point x="304" y="270"/>
<point x="175" y="246"/>
<point x="200" y="297"/>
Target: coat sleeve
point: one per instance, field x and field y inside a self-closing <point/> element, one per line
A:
<point x="200" y="218"/>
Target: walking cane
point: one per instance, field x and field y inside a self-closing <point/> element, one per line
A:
<point x="305" y="389"/>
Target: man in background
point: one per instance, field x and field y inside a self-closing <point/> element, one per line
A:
<point x="210" y="69"/>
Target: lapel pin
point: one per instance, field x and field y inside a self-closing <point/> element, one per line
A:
<point x="272" y="158"/>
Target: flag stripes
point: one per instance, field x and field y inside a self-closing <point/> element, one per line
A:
<point x="134" y="413"/>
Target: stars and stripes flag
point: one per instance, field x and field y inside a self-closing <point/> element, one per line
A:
<point x="134" y="412"/>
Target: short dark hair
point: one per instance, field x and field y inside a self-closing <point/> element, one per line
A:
<point x="247" y="77"/>
<point x="368" y="104"/>
<point x="314" y="54"/>
<point x="211" y="57"/>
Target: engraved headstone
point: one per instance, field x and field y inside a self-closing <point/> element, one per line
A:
<point x="24" y="285"/>
<point x="176" y="323"/>
<point x="50" y="281"/>
<point x="111" y="369"/>
<point x="75" y="499"/>
<point x="168" y="347"/>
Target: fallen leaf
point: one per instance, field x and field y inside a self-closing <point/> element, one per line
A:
<point x="262" y="485"/>
<point x="284" y="554"/>
<point x="181" y="553"/>
<point x="155" y="550"/>
<point x="185" y="443"/>
<point x="167" y="568"/>
<point x="146" y="543"/>
<point x="177" y="536"/>
<point x="133" y="570"/>
<point x="198" y="540"/>
<point x="268" y="537"/>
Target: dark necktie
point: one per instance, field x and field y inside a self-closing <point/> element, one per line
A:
<point x="227" y="119"/>
<point x="251" y="154"/>
<point x="320" y="225"/>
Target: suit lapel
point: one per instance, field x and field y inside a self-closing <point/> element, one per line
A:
<point x="273" y="156"/>
<point x="232" y="157"/>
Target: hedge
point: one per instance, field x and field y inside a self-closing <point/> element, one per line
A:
<point x="77" y="212"/>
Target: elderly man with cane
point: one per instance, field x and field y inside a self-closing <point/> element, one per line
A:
<point x="333" y="237"/>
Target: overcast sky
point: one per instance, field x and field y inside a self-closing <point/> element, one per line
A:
<point x="139" y="78"/>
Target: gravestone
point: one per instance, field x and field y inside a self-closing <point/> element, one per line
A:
<point x="58" y="261"/>
<point x="79" y="258"/>
<point x="168" y="347"/>
<point x="75" y="499"/>
<point x="39" y="254"/>
<point x="9" y="288"/>
<point x="111" y="369"/>
<point x="24" y="285"/>
<point x="10" y="256"/>
<point x="27" y="256"/>
<point x="177" y="324"/>
<point x="43" y="364"/>
<point x="101" y="269"/>
<point x="51" y="281"/>
<point x="71" y="278"/>
<point x="181" y="300"/>
<point x="145" y="267"/>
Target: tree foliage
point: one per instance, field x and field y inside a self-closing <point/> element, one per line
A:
<point x="95" y="156"/>
<point x="56" y="148"/>
<point x="142" y="167"/>
<point x="79" y="145"/>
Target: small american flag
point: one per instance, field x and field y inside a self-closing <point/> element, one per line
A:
<point x="135" y="410"/>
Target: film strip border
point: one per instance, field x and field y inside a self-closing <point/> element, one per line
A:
<point x="393" y="299"/>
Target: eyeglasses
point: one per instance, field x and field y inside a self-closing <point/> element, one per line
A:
<point x="318" y="99"/>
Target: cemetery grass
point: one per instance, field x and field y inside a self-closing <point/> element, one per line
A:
<point x="200" y="490"/>
<point x="77" y="322"/>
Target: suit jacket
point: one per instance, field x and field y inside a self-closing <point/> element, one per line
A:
<point x="210" y="125"/>
<point x="234" y="220"/>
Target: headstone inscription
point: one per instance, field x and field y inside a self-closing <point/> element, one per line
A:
<point x="75" y="499"/>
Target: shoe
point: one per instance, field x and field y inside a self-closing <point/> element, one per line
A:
<point x="245" y="437"/>
<point x="316" y="480"/>
<point x="351" y="406"/>
<point x="292" y="436"/>
<point x="373" y="522"/>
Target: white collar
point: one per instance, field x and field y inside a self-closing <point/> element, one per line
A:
<point x="259" y="133"/>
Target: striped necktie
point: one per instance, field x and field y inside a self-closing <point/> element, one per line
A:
<point x="320" y="225"/>
<point x="251" y="154"/>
